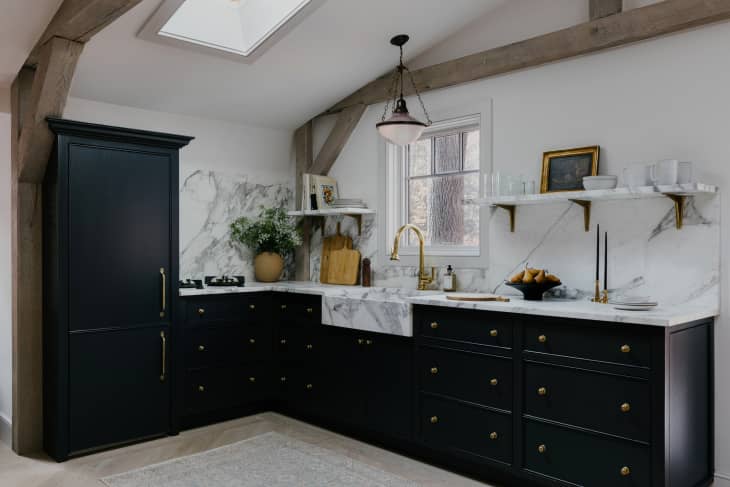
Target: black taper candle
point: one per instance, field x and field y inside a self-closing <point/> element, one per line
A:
<point x="605" y="261"/>
<point x="598" y="251"/>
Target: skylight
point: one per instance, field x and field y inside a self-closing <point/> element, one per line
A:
<point x="238" y="27"/>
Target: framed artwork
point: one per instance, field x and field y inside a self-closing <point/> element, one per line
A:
<point x="325" y="190"/>
<point x="564" y="170"/>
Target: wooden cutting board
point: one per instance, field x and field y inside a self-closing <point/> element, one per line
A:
<point x="334" y="242"/>
<point x="344" y="266"/>
<point x="476" y="297"/>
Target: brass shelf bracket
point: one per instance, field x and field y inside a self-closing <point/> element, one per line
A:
<point x="678" y="200"/>
<point x="511" y="210"/>
<point x="586" y="213"/>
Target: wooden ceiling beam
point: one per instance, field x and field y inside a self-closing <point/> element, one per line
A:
<point x="79" y="20"/>
<point x="617" y="30"/>
<point x="330" y="151"/>
<point x="603" y="8"/>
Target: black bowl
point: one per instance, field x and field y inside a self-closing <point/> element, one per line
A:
<point x="533" y="291"/>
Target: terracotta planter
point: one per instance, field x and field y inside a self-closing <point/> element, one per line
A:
<point x="268" y="267"/>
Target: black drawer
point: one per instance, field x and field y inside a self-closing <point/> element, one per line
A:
<point x="466" y="429"/>
<point x="468" y="326"/>
<point x="603" y="402"/>
<point x="475" y="377"/>
<point x="233" y="307"/>
<point x="297" y="309"/>
<point x="220" y="387"/>
<point x="300" y="385"/>
<point x="225" y="344"/>
<point x="584" y="458"/>
<point x="621" y="345"/>
<point x="296" y="343"/>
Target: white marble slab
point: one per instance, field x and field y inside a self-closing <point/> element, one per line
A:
<point x="389" y="310"/>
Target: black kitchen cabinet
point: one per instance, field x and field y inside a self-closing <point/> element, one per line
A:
<point x="110" y="250"/>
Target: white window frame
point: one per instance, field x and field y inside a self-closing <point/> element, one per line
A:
<point x="395" y="208"/>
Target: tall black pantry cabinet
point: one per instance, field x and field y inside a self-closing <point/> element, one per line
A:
<point x="110" y="247"/>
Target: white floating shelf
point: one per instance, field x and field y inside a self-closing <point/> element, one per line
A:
<point x="677" y="193"/>
<point x="355" y="213"/>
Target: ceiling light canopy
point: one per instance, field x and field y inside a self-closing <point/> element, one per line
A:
<point x="401" y="128"/>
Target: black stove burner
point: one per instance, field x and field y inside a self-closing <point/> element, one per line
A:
<point x="228" y="281"/>
<point x="191" y="284"/>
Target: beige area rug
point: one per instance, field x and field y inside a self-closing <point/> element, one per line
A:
<point x="271" y="460"/>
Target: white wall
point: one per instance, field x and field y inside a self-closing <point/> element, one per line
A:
<point x="6" y="390"/>
<point x="661" y="98"/>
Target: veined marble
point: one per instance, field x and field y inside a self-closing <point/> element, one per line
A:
<point x="209" y="202"/>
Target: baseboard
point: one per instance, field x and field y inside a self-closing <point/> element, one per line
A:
<point x="721" y="480"/>
<point x="6" y="431"/>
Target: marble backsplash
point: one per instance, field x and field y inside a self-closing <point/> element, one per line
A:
<point x="647" y="254"/>
<point x="209" y="202"/>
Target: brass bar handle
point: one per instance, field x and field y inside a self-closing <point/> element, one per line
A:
<point x="164" y="356"/>
<point x="164" y="292"/>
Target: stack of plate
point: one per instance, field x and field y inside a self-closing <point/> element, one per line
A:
<point x="633" y="303"/>
<point x="348" y="203"/>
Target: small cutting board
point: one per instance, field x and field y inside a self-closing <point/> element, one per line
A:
<point x="476" y="297"/>
<point x="334" y="242"/>
<point x="344" y="266"/>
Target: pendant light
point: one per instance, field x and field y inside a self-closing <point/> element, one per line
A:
<point x="401" y="128"/>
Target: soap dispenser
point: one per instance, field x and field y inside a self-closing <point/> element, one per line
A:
<point x="449" y="280"/>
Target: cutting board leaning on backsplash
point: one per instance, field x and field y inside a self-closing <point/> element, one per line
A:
<point x="344" y="266"/>
<point x="330" y="244"/>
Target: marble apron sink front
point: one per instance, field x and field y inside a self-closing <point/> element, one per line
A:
<point x="380" y="310"/>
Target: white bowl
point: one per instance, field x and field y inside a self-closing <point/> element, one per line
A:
<point x="600" y="182"/>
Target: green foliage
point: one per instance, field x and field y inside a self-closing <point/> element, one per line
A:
<point x="273" y="232"/>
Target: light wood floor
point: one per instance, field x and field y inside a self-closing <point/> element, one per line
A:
<point x="40" y="471"/>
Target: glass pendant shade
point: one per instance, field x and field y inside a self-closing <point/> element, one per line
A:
<point x="401" y="129"/>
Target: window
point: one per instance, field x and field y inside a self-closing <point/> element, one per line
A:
<point x="428" y="182"/>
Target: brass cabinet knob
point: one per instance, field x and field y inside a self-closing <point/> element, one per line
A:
<point x="360" y="341"/>
<point x="493" y="333"/>
<point x="282" y="378"/>
<point x="493" y="382"/>
<point x="368" y="342"/>
<point x="251" y="341"/>
<point x="434" y="370"/>
<point x="542" y="391"/>
<point x="310" y="387"/>
<point x="493" y="435"/>
<point x="542" y="339"/>
<point x="201" y="348"/>
<point x="283" y="307"/>
<point x="625" y="349"/>
<point x="310" y="346"/>
<point x="541" y="449"/>
<point x="252" y="379"/>
<point x="201" y="311"/>
<point x="283" y="341"/>
<point x="434" y="325"/>
<point x="434" y="419"/>
<point x="625" y="471"/>
<point x="201" y="388"/>
<point x="310" y="310"/>
<point x="625" y="407"/>
<point x="252" y="307"/>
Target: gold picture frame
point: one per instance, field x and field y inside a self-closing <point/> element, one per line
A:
<point x="563" y="170"/>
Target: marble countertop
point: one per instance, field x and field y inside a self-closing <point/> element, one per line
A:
<point x="388" y="310"/>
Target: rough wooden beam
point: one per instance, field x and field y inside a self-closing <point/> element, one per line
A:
<point x="616" y="30"/>
<point x="26" y="251"/>
<point x="79" y="20"/>
<point x="604" y="8"/>
<point x="346" y="123"/>
<point x="304" y="156"/>
<point x="48" y="98"/>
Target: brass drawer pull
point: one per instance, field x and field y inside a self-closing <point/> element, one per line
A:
<point x="283" y="341"/>
<point x="625" y="349"/>
<point x="493" y="333"/>
<point x="201" y="348"/>
<point x="252" y="307"/>
<point x="201" y="388"/>
<point x="251" y="341"/>
<point x="434" y="419"/>
<point x="434" y="325"/>
<point x="310" y="346"/>
<point x="541" y="449"/>
<point x="368" y="342"/>
<point x="283" y="307"/>
<point x="625" y="471"/>
<point x="542" y="391"/>
<point x="542" y="339"/>
<point x="310" y="387"/>
<point x="163" y="373"/>
<point x="310" y="310"/>
<point x="493" y="435"/>
<point x="434" y="370"/>
<point x="625" y="407"/>
<point x="201" y="311"/>
<point x="252" y="379"/>
<point x="282" y="379"/>
<point x="164" y="292"/>
<point x="493" y="382"/>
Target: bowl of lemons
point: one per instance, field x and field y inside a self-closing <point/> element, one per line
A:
<point x="533" y="283"/>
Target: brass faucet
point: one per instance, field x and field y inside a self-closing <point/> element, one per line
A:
<point x="423" y="279"/>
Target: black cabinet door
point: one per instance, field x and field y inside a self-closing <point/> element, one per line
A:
<point x="117" y="388"/>
<point x="344" y="391"/>
<point x="119" y="220"/>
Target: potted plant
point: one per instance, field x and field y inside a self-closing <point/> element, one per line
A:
<point x="271" y="237"/>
